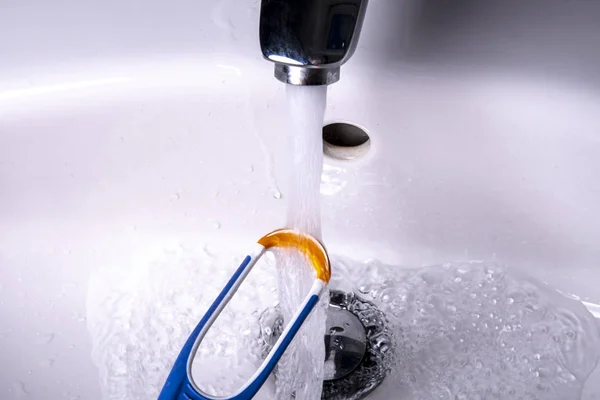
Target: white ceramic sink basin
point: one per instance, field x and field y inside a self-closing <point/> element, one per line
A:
<point x="114" y="164"/>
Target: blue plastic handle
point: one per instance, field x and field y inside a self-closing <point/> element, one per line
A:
<point x="180" y="385"/>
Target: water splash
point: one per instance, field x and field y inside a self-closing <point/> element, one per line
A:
<point x="479" y="330"/>
<point x="459" y="330"/>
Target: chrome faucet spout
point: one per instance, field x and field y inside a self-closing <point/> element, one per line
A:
<point x="308" y="40"/>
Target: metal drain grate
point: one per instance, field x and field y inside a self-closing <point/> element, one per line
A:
<point x="358" y="344"/>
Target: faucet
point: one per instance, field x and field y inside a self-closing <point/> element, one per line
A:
<point x="308" y="40"/>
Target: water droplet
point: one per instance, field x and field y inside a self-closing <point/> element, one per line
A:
<point x="217" y="225"/>
<point x="277" y="194"/>
<point x="364" y="288"/>
<point x="19" y="389"/>
<point x="47" y="363"/>
<point x="44" y="338"/>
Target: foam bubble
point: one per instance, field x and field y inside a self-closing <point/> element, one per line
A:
<point x="478" y="329"/>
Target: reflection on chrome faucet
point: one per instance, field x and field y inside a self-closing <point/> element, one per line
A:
<point x="308" y="40"/>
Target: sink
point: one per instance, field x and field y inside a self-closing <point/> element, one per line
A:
<point x="124" y="151"/>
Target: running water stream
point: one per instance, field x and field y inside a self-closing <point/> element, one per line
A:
<point x="300" y="372"/>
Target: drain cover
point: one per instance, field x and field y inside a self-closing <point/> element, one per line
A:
<point x="345" y="343"/>
<point x="357" y="344"/>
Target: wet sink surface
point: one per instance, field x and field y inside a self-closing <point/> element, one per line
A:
<point x="111" y="162"/>
<point x="98" y="172"/>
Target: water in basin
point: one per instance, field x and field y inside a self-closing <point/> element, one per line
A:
<point x="460" y="330"/>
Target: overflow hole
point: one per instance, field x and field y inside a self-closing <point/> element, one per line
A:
<point x="345" y="141"/>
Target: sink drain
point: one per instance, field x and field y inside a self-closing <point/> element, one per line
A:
<point x="345" y="141"/>
<point x="357" y="345"/>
